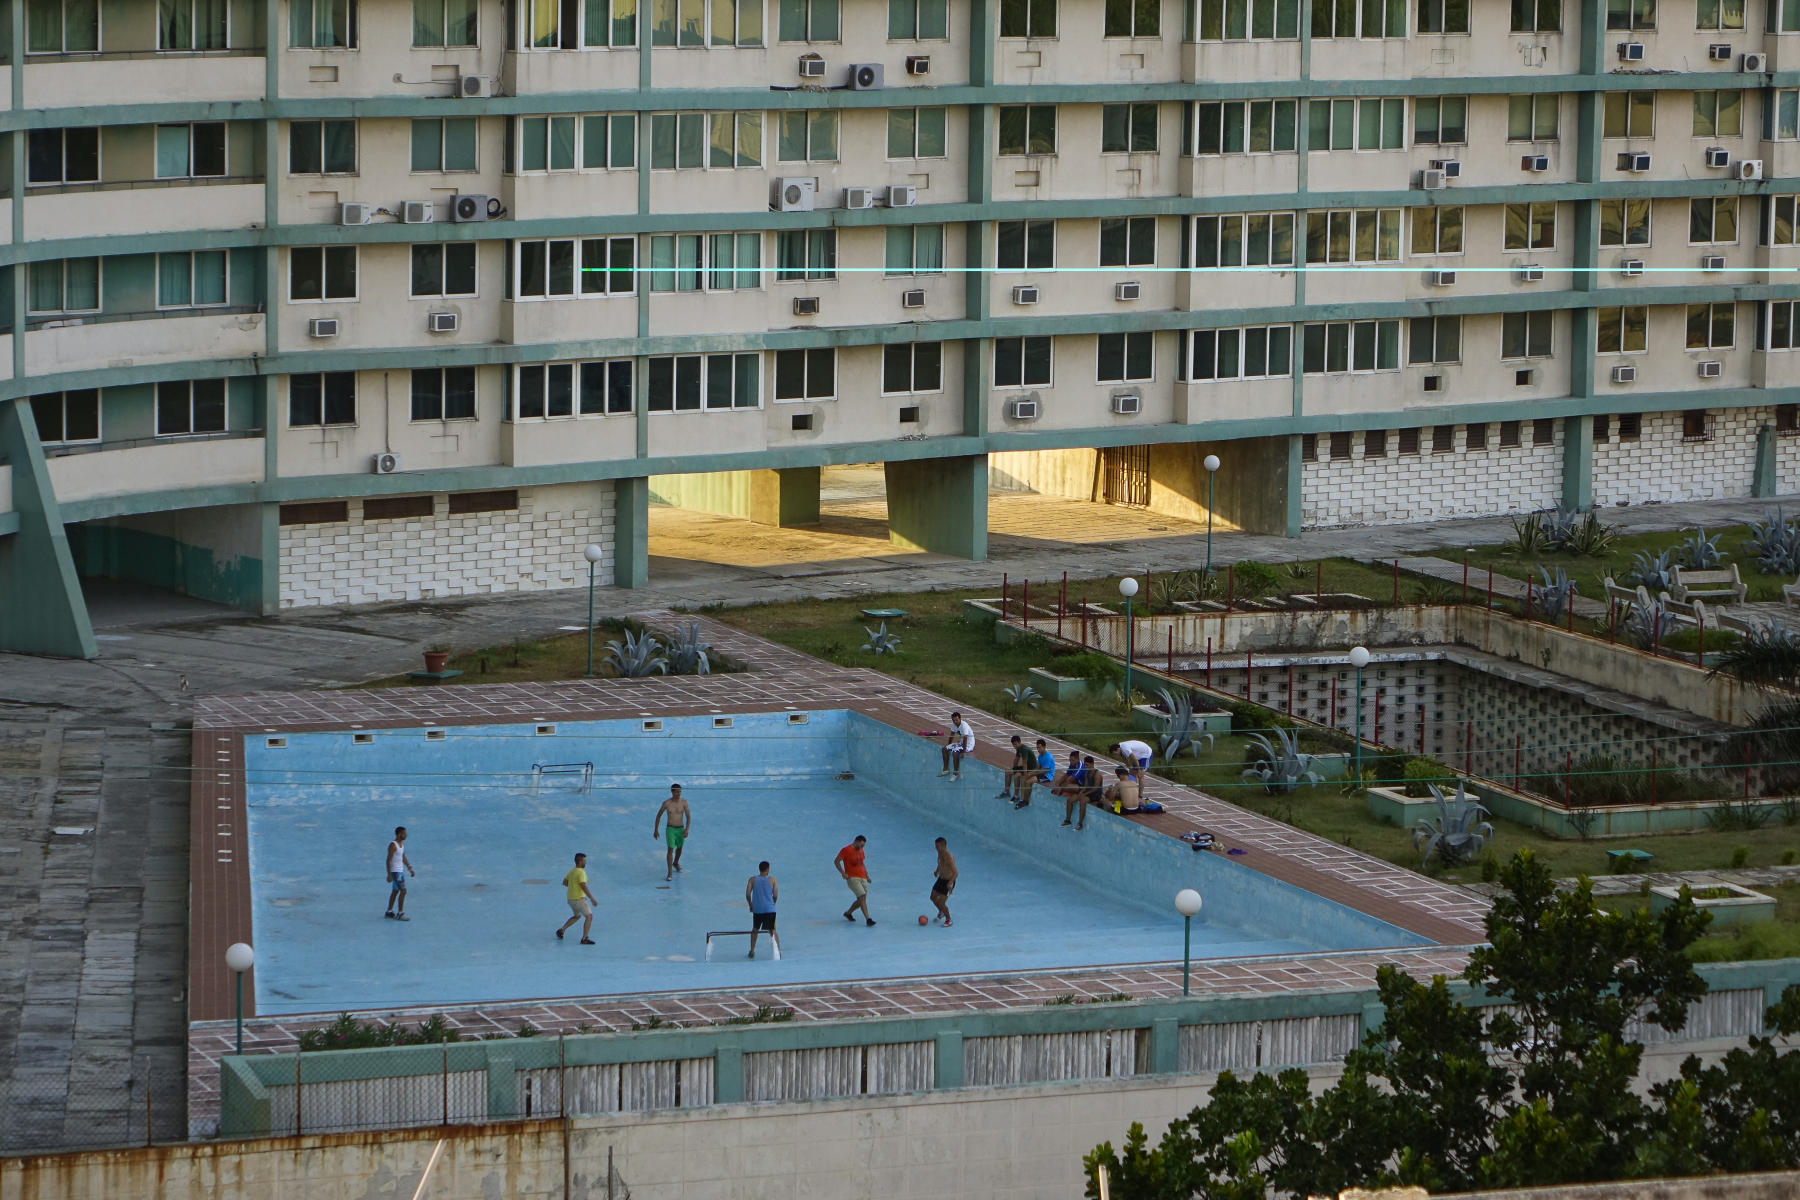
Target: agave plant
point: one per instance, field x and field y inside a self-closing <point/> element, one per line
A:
<point x="1458" y="833"/>
<point x="1282" y="768"/>
<point x="1528" y="534"/>
<point x="640" y="654"/>
<point x="1656" y="573"/>
<point x="1767" y="653"/>
<point x="1558" y="526"/>
<point x="1022" y="694"/>
<point x="1647" y="624"/>
<point x="687" y="653"/>
<point x="881" y="641"/>
<point x="1591" y="538"/>
<point x="1556" y="595"/>
<point x="1182" y="732"/>
<point x="1166" y="591"/>
<point x="1701" y="553"/>
<point x="1775" y="542"/>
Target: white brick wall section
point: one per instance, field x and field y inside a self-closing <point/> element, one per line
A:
<point x="1396" y="488"/>
<point x="536" y="548"/>
<point x="1661" y="466"/>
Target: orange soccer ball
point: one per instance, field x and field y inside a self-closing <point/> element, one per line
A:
<point x="924" y="920"/>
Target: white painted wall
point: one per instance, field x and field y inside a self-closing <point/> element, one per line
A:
<point x="1660" y="466"/>
<point x="1399" y="488"/>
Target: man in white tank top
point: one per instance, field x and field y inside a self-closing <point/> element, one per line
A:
<point x="398" y="868"/>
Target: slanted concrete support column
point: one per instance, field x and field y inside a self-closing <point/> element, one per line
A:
<point x="939" y="505"/>
<point x="40" y="597"/>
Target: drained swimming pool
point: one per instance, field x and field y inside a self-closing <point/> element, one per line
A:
<point x="491" y="839"/>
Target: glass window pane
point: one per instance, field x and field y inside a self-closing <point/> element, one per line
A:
<point x="931" y="132"/>
<point x="459" y="143"/>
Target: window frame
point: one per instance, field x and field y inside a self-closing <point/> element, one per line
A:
<point x="704" y="271"/>
<point x="1136" y="113"/>
<point x="681" y="13"/>
<point x="1623" y="205"/>
<point x="607" y="369"/>
<point x="916" y="23"/>
<point x="62" y="287"/>
<point x="1536" y="22"/>
<point x="1034" y="128"/>
<point x="192" y="275"/>
<point x="1132" y="347"/>
<point x="918" y="132"/>
<point x="915" y="271"/>
<point x="325" y="167"/>
<point x="1436" y="214"/>
<point x="1633" y="331"/>
<point x="351" y="30"/>
<point x="809" y="360"/>
<point x="191" y="401"/>
<point x="1350" y="347"/>
<point x="326" y="380"/>
<point x="1533" y="221"/>
<point x="442" y="395"/>
<point x="443" y="8"/>
<point x="193" y="129"/>
<point x="62" y="413"/>
<point x="1239" y="118"/>
<point x="330" y="260"/>
<point x="744" y="366"/>
<point x="1533" y="101"/>
<point x="443" y="145"/>
<point x="1189" y="352"/>
<point x="1714" y="207"/>
<point x="193" y="28"/>
<point x="1439" y="123"/>
<point x="1713" y="315"/>
<point x="577" y="267"/>
<point x="62" y="135"/>
<point x="814" y="243"/>
<point x="741" y="120"/>
<point x="1532" y="324"/>
<point x="1719" y="105"/>
<point x="1026" y="228"/>
<point x="1135" y="252"/>
<point x="810" y="121"/>
<point x="1245" y="240"/>
<point x="63" y="47"/>
<point x="443" y="251"/>
<point x="1023" y="346"/>
<point x="911" y="351"/>
<point x="1031" y="26"/>
<point x="1441" y="349"/>
<point x="1202" y="17"/>
<point x="1631" y="108"/>
<point x="1442" y="22"/>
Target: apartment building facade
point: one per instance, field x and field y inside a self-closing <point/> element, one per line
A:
<point x="338" y="301"/>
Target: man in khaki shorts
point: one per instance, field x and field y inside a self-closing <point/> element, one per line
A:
<point x="581" y="901"/>
<point x="849" y="864"/>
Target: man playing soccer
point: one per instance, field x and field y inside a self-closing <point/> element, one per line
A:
<point x="681" y="821"/>
<point x="945" y="882"/>
<point x="761" y="891"/>
<point x="849" y="864"/>
<point x="581" y="900"/>
<point x="398" y="868"/>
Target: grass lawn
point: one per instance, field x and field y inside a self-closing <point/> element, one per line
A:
<point x="564" y="656"/>
<point x="1777" y="938"/>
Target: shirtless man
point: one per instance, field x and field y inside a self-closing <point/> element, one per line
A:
<point x="945" y="882"/>
<point x="681" y="823"/>
<point x="1122" y="796"/>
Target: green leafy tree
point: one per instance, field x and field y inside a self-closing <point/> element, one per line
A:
<point x="1750" y="1100"/>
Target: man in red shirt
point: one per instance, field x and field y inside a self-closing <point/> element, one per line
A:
<point x="849" y="864"/>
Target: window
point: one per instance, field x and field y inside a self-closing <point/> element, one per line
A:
<point x="1022" y="362"/>
<point x="706" y="22"/>
<point x="1126" y="358"/>
<point x="1339" y="346"/>
<point x="193" y="280"/>
<point x="443" y="23"/>
<point x="1437" y="230"/>
<point x="1257" y="352"/>
<point x="1720" y="14"/>
<point x="805" y="374"/>
<point x="1409" y="441"/>
<point x="1240" y="20"/>
<point x="321" y="147"/>
<point x="1621" y="330"/>
<point x="1526" y="334"/>
<point x="1543" y="431"/>
<point x="1028" y="129"/>
<point x="1694" y="426"/>
<point x="721" y="140"/>
<point x="806" y="254"/>
<point x="63" y="286"/>
<point x="1025" y="245"/>
<point x="1531" y="118"/>
<point x="690" y="382"/>
<point x="190" y="151"/>
<point x="1443" y="16"/>
<point x="714" y="262"/>
<point x="1781" y="111"/>
<point x="1783" y="327"/>
<point x="915" y="250"/>
<point x="1631" y="14"/>
<point x="184" y="406"/>
<point x="1375" y="443"/>
<point x="443" y="269"/>
<point x="912" y="368"/>
<point x="67" y="416"/>
<point x="551" y="390"/>
<point x="63" y="156"/>
<point x="1629" y="115"/>
<point x="1340" y="445"/>
<point x="328" y="399"/>
<point x="1356" y="124"/>
<point x="1127" y="128"/>
<point x="1240" y="127"/>
<point x="1537" y="16"/>
<point x="192" y="24"/>
<point x="1027" y="18"/>
<point x="322" y="273"/>
<point x="806" y="137"/>
<point x="1509" y="435"/>
<point x="1443" y="439"/>
<point x="915" y="133"/>
<point x="1787" y="419"/>
<point x="918" y="20"/>
<point x="1369" y="19"/>
<point x="1602" y="429"/>
<point x="1778" y="225"/>
<point x="1475" y="436"/>
<point x="554" y="268"/>
<point x="1441" y="122"/>
<point x="580" y="24"/>
<point x="1712" y="221"/>
<point x="1718" y="114"/>
<point x="1353" y="235"/>
<point x="1630" y="425"/>
<point x="62" y="27"/>
<point x="1133" y="18"/>
<point x="1435" y="340"/>
<point x="322" y="24"/>
<point x="1624" y="222"/>
<point x="605" y="141"/>
<point x="1244" y="240"/>
<point x="1531" y="226"/>
<point x="1127" y="241"/>
<point x="443" y="393"/>
<point x="1711" y="326"/>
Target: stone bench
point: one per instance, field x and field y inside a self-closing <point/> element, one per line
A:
<point x="1790" y="593"/>
<point x="1722" y="584"/>
<point x="1624" y="595"/>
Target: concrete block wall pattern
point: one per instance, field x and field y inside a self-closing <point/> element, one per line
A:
<point x="1396" y="488"/>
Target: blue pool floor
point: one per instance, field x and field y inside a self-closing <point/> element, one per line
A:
<point x="487" y="896"/>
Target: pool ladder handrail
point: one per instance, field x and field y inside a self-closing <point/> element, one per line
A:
<point x="583" y="769"/>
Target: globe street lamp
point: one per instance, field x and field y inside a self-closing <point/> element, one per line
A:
<point x="1128" y="588"/>
<point x="1187" y="903"/>
<point x="1211" y="463"/>
<point x="1359" y="658"/>
<point x="593" y="554"/>
<point x="239" y="957"/>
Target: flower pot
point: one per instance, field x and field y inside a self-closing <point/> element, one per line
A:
<point x="435" y="661"/>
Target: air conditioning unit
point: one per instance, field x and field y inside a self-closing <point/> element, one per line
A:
<point x="418" y="212"/>
<point x="1634" y="160"/>
<point x="442" y="322"/>
<point x="918" y="64"/>
<point x="912" y="298"/>
<point x="1631" y="267"/>
<point x="322" y="327"/>
<point x="864" y="77"/>
<point x="812" y="66"/>
<point x="1127" y="406"/>
<point x="1719" y="52"/>
<point x="1022" y="410"/>
<point x="859" y="197"/>
<point x="1531" y="274"/>
<point x="1624" y="373"/>
<point x="1534" y="162"/>
<point x="468" y="208"/>
<point x="1750" y="168"/>
<point x="386" y="464"/>
<point x="1451" y="167"/>
<point x="902" y="195"/>
<point x="806" y="306"/>
<point x="1718" y="156"/>
<point x="1433" y="181"/>
<point x="1755" y="63"/>
<point x="1631" y="52"/>
<point x="1440" y="278"/>
<point x="1127" y="291"/>
<point x="354" y="213"/>
<point x="794" y="194"/>
<point x="1712" y="370"/>
<point x="1712" y="262"/>
<point x="476" y="87"/>
<point x="1025" y="294"/>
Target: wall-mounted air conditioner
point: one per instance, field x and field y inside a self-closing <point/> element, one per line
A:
<point x="794" y="194"/>
<point x="1127" y="291"/>
<point x="1712" y="370"/>
<point x="1750" y="169"/>
<point x="864" y="77"/>
<point x="464" y="209"/>
<point x="1719" y="52"/>
<point x="418" y="212"/>
<point x="1754" y="63"/>
<point x="1631" y="267"/>
<point x="1531" y="274"/>
<point x="1712" y="262"/>
<point x="859" y="197"/>
<point x="1631" y="52"/>
<point x="385" y="464"/>
<point x="1634" y="160"/>
<point x="1025" y="294"/>
<point x="902" y="195"/>
<point x="1128" y="405"/>
<point x="1440" y="278"/>
<point x="1451" y="167"/>
<point x="322" y="327"/>
<point x="812" y="66"/>
<point x="1023" y="410"/>
<point x="806" y="306"/>
<point x="475" y="87"/>
<point x="1534" y="162"/>
<point x="442" y="322"/>
<point x="1433" y="181"/>
<point x="354" y="213"/>
<point x="918" y="64"/>
<point x="1718" y="156"/>
<point x="1624" y="373"/>
<point x="912" y="298"/>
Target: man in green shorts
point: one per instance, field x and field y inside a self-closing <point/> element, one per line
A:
<point x="681" y="823"/>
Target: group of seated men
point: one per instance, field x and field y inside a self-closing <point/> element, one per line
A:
<point x="1081" y="782"/>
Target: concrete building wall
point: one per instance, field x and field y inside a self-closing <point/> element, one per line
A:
<point x="1396" y="488"/>
<point x="1663" y="465"/>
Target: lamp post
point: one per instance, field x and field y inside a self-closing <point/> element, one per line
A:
<point x="1359" y="658"/>
<point x="1128" y="589"/>
<point x="239" y="957"/>
<point x="593" y="554"/>
<point x="1211" y="463"/>
<point x="1187" y="903"/>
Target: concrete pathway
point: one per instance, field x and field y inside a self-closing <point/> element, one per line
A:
<point x="1481" y="583"/>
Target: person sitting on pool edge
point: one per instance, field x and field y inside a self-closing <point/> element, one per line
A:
<point x="1122" y="796"/>
<point x="1043" y="771"/>
<point x="1023" y="763"/>
<point x="1070" y="787"/>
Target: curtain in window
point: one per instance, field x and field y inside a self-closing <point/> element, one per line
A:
<point x="175" y="25"/>
<point x="172" y="151"/>
<point x="209" y="276"/>
<point x="44" y="289"/>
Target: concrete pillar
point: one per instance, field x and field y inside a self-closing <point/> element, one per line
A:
<point x="631" y="532"/>
<point x="1296" y="478"/>
<point x="270" y="601"/>
<point x="939" y="505"/>
<point x="1165" y="1046"/>
<point x="1250" y="491"/>
<point x="39" y="593"/>
<point x="787" y="497"/>
<point x="948" y="1060"/>
<point x="1762" y="484"/>
<point x="1578" y="463"/>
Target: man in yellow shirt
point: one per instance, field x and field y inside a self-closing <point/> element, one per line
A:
<point x="581" y="901"/>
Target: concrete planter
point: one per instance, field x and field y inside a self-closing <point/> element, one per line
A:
<point x="1063" y="687"/>
<point x="1154" y="720"/>
<point x="1741" y="907"/>
<point x="1393" y="806"/>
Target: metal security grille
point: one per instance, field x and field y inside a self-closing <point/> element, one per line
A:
<point x="1125" y="475"/>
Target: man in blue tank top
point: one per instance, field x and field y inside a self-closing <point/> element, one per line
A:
<point x="760" y="893"/>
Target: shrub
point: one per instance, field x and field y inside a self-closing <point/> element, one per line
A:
<point x="1419" y="773"/>
<point x="1766" y="654"/>
<point x="1740" y="858"/>
<point x="1254" y="579"/>
<point x="1099" y="671"/>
